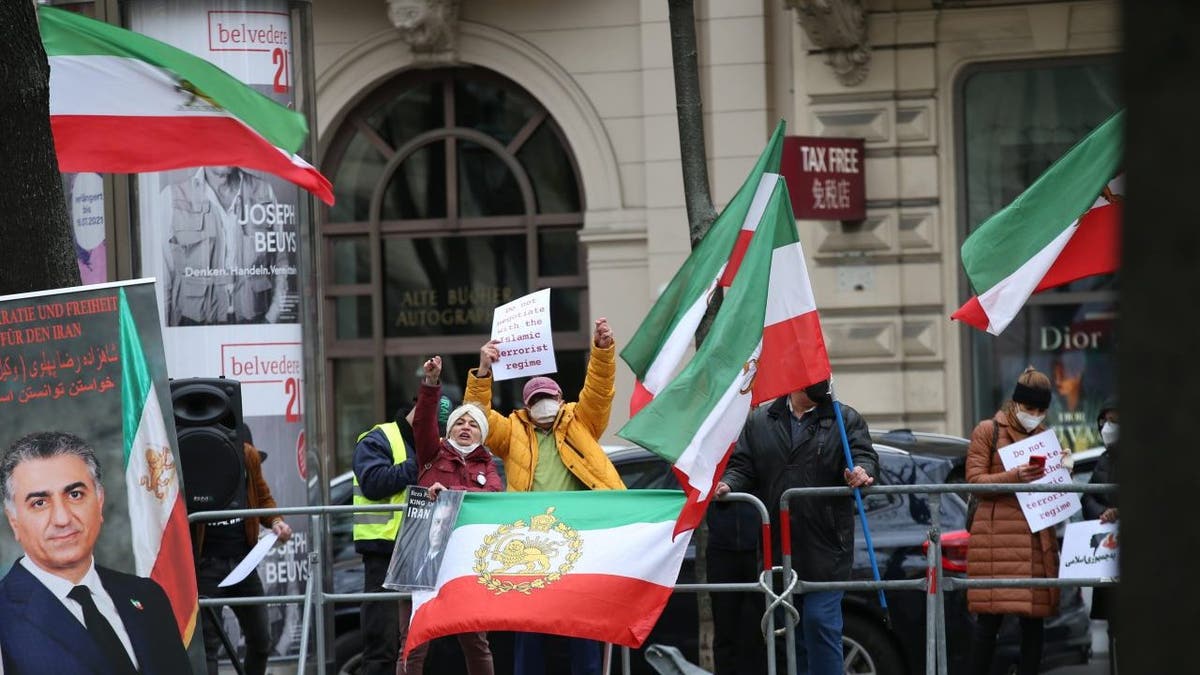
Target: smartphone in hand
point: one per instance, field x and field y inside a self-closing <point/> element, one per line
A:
<point x="1038" y="461"/>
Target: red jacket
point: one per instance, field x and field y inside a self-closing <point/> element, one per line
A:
<point x="438" y="461"/>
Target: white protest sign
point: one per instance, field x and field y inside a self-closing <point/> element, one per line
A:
<point x="522" y="327"/>
<point x="255" y="556"/>
<point x="1090" y="550"/>
<point x="1042" y="509"/>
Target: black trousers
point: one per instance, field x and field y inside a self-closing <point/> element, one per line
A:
<point x="983" y="644"/>
<point x="738" y="647"/>
<point x="252" y="619"/>
<point x="380" y="620"/>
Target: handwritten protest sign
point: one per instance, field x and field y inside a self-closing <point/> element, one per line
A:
<point x="1042" y="509"/>
<point x="1090" y="550"/>
<point x="522" y="327"/>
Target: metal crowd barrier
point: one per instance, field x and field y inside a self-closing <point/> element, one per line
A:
<point x="933" y="584"/>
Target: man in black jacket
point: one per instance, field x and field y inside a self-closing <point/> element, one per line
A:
<point x="795" y="442"/>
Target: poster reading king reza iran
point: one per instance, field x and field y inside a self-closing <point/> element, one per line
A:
<point x="223" y="244"/>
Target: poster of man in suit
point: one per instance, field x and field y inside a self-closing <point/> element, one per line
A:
<point x="67" y="487"/>
<point x="421" y="544"/>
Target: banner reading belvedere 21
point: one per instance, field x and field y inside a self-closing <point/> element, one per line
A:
<point x="84" y="395"/>
<point x="223" y="243"/>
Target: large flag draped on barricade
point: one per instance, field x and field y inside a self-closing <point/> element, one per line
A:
<point x="162" y="548"/>
<point x="765" y="342"/>
<point x="657" y="349"/>
<point x="121" y="102"/>
<point x="591" y="564"/>
<point x="1064" y="227"/>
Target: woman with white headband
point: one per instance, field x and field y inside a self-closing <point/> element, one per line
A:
<point x="457" y="462"/>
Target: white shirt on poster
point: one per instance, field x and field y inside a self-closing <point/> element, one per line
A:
<point x="60" y="587"/>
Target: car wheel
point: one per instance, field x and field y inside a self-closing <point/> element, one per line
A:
<point x="868" y="649"/>
<point x="347" y="651"/>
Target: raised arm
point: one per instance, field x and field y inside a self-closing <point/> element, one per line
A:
<point x="425" y="423"/>
<point x="595" y="400"/>
<point x="479" y="392"/>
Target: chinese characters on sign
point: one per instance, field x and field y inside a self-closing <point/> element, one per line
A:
<point x="825" y="177"/>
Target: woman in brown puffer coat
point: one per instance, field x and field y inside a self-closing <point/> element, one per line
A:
<point x="1002" y="545"/>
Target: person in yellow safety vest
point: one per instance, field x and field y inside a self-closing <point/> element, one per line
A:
<point x="385" y="465"/>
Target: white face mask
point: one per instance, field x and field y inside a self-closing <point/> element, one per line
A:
<point x="462" y="449"/>
<point x="543" y="411"/>
<point x="1109" y="433"/>
<point x="1030" y="422"/>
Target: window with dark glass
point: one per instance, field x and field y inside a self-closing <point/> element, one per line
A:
<point x="456" y="193"/>
<point x="1016" y="120"/>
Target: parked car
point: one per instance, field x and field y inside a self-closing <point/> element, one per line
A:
<point x="899" y="525"/>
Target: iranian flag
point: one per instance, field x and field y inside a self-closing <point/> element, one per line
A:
<point x="162" y="545"/>
<point x="1064" y="227"/>
<point x="591" y="564"/>
<point x="765" y="342"/>
<point x="121" y="102"/>
<point x="656" y="350"/>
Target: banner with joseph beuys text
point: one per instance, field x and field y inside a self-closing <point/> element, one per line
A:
<point x="63" y="355"/>
<point x="223" y="243"/>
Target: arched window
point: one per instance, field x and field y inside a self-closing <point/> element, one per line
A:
<point x="456" y="192"/>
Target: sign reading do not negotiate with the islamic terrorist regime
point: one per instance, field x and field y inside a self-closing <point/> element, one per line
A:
<point x="522" y="327"/>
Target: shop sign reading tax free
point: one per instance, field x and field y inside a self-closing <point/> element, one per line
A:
<point x="825" y="177"/>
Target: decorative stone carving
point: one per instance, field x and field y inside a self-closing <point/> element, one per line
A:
<point x="839" y="28"/>
<point x="428" y="26"/>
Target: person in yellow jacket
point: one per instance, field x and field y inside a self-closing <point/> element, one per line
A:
<point x="552" y="445"/>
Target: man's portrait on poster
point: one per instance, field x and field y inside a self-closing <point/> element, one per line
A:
<point x="229" y="249"/>
<point x="61" y="611"/>
<point x="428" y="521"/>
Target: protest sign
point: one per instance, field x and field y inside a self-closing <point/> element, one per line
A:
<point x="1042" y="509"/>
<point x="522" y="327"/>
<point x="1090" y="550"/>
<point x="421" y="544"/>
<point x="84" y="367"/>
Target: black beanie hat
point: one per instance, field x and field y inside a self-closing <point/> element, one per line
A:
<point x="1110" y="404"/>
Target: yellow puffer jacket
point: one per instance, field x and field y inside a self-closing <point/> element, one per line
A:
<point x="577" y="429"/>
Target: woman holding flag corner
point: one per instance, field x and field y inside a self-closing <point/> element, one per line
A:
<point x="794" y="442"/>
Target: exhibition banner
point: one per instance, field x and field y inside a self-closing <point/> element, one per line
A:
<point x="223" y="243"/>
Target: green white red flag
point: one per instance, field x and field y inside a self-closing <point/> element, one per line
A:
<point x="765" y="342"/>
<point x="1064" y="227"/>
<point x="162" y="545"/>
<point x="591" y="564"/>
<point x="121" y="102"/>
<point x="661" y="342"/>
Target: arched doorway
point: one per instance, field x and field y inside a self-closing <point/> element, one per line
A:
<point x="456" y="192"/>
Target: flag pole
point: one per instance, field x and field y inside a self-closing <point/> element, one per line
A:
<point x="862" y="512"/>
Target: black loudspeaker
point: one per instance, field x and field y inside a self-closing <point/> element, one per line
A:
<point x="208" y="422"/>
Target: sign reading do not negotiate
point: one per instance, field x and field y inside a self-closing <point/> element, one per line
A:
<point x="522" y="327"/>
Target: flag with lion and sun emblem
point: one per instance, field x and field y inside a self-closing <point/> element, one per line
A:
<point x="595" y="564"/>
